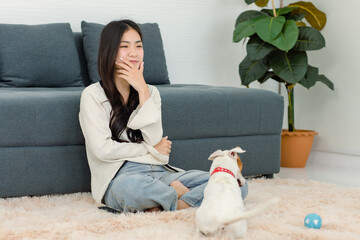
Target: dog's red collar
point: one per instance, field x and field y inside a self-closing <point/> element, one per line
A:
<point x="220" y="169"/>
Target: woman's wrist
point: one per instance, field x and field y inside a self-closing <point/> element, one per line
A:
<point x="144" y="95"/>
<point x="144" y="90"/>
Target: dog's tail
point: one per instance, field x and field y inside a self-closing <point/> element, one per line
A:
<point x="254" y="212"/>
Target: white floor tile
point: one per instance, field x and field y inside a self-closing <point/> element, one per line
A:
<point x="341" y="170"/>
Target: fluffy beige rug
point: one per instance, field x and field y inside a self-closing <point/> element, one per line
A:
<point x="76" y="216"/>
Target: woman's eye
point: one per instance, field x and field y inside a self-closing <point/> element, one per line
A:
<point x="123" y="46"/>
<point x="140" y="46"/>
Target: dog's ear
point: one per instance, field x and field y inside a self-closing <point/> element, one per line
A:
<point x="215" y="154"/>
<point x="233" y="152"/>
<point x="237" y="149"/>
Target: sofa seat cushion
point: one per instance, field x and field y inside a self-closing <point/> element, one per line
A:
<point x="199" y="111"/>
<point x="49" y="116"/>
<point x="40" y="116"/>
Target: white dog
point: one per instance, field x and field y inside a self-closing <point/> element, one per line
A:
<point x="222" y="210"/>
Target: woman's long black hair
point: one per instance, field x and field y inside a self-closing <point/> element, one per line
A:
<point x="109" y="44"/>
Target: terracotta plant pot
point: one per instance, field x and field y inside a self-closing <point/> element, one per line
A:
<point x="296" y="147"/>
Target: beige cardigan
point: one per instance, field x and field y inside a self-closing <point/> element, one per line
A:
<point x="106" y="156"/>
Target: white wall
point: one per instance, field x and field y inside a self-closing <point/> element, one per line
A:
<point x="197" y="37"/>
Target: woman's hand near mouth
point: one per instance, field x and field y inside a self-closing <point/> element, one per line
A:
<point x="134" y="76"/>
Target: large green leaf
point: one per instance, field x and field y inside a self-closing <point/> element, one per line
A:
<point x="290" y="66"/>
<point x="251" y="70"/>
<point x="322" y="78"/>
<point x="310" y="77"/>
<point x="314" y="16"/>
<point x="257" y="48"/>
<point x="268" y="28"/>
<point x="309" y="39"/>
<point x="287" y="37"/>
<point x="245" y="29"/>
<point x="248" y="15"/>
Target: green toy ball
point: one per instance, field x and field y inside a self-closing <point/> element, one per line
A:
<point x="313" y="220"/>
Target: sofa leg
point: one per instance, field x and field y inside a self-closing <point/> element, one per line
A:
<point x="269" y="176"/>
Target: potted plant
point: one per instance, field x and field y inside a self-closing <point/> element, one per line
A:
<point x="278" y="40"/>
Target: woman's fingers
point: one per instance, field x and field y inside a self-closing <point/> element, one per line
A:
<point x="134" y="75"/>
<point x="167" y="145"/>
<point x="142" y="67"/>
<point x="122" y="71"/>
<point x="122" y="65"/>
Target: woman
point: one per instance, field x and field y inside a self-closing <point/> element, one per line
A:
<point x="120" y="117"/>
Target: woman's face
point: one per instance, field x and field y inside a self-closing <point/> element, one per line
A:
<point x="131" y="48"/>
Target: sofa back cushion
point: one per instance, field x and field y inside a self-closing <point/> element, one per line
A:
<point x="155" y="70"/>
<point x="83" y="64"/>
<point x="38" y="56"/>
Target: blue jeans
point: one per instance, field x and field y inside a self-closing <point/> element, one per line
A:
<point x="137" y="187"/>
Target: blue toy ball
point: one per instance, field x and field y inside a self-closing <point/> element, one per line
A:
<point x="313" y="220"/>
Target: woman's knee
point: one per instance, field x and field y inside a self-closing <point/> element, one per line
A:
<point x="139" y="192"/>
<point x="125" y="192"/>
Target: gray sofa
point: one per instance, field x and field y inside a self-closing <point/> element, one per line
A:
<point x="41" y="144"/>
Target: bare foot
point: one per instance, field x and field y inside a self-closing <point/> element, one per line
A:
<point x="179" y="188"/>
<point x="182" y="205"/>
<point x="154" y="209"/>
